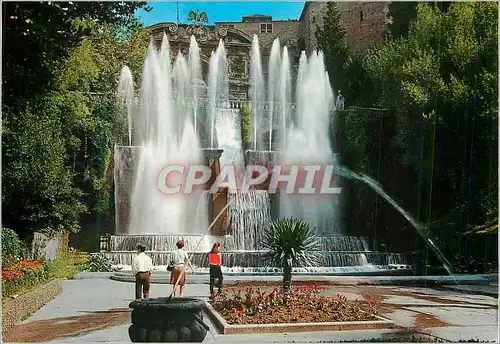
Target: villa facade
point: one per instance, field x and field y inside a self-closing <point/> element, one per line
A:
<point x="365" y="24"/>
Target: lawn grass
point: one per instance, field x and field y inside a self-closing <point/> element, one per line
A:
<point x="66" y="265"/>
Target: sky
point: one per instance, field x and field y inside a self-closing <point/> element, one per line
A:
<point x="219" y="11"/>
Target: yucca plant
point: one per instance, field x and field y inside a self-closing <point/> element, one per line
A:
<point x="290" y="242"/>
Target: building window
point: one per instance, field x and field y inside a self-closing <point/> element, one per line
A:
<point x="266" y="28"/>
<point x="360" y="16"/>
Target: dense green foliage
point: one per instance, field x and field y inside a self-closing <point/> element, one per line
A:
<point x="430" y="135"/>
<point x="290" y="242"/>
<point x="11" y="245"/>
<point x="246" y="126"/>
<point x="59" y="109"/>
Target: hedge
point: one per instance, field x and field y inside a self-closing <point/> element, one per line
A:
<point x="23" y="277"/>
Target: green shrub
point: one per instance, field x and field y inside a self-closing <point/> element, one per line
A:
<point x="246" y="126"/>
<point x="99" y="263"/>
<point x="11" y="245"/>
<point x="66" y="266"/>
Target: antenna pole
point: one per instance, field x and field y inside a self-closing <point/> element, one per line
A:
<point x="177" y="12"/>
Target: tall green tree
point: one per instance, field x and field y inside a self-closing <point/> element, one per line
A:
<point x="38" y="35"/>
<point x="62" y="62"/>
<point x="439" y="85"/>
<point x="331" y="40"/>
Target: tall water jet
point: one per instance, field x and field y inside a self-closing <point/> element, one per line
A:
<point x="180" y="81"/>
<point x="285" y="97"/>
<point x="273" y="86"/>
<point x="127" y="97"/>
<point x="256" y="92"/>
<point x="166" y="137"/>
<point x="299" y="97"/>
<point x="218" y="87"/>
<point x="309" y="144"/>
<point x="195" y="79"/>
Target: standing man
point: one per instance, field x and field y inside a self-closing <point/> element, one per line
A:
<point x="141" y="269"/>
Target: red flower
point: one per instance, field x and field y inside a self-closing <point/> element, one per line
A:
<point x="238" y="313"/>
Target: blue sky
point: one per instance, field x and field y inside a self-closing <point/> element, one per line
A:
<point x="219" y="11"/>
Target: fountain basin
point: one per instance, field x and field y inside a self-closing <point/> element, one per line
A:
<point x="164" y="320"/>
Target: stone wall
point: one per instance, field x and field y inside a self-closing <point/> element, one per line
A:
<point x="18" y="309"/>
<point x="365" y="23"/>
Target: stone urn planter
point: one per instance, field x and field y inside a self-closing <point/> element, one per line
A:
<point x="167" y="320"/>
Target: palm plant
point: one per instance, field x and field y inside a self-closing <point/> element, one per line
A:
<point x="290" y="242"/>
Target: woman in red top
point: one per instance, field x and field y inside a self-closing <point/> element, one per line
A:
<point x="215" y="261"/>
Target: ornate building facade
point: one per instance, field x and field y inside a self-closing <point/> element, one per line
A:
<point x="365" y="24"/>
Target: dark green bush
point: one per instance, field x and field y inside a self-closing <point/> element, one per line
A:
<point x="11" y="245"/>
<point x="99" y="263"/>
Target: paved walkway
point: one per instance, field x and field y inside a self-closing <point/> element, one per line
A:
<point x="96" y="310"/>
<point x="162" y="277"/>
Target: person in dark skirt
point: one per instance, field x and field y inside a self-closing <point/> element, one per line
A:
<point x="215" y="261"/>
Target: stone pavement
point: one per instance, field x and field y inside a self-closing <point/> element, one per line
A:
<point x="96" y="310"/>
<point x="162" y="276"/>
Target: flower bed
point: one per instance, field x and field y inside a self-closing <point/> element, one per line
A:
<point x="301" y="305"/>
<point x="21" y="276"/>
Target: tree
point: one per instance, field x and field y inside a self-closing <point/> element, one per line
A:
<point x="289" y="243"/>
<point x="38" y="35"/>
<point x="331" y="41"/>
<point x="439" y="86"/>
<point x="58" y="130"/>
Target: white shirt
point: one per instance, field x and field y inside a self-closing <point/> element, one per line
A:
<point x="179" y="257"/>
<point x="142" y="263"/>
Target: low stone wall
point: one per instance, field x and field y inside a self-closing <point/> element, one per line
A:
<point x="16" y="310"/>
